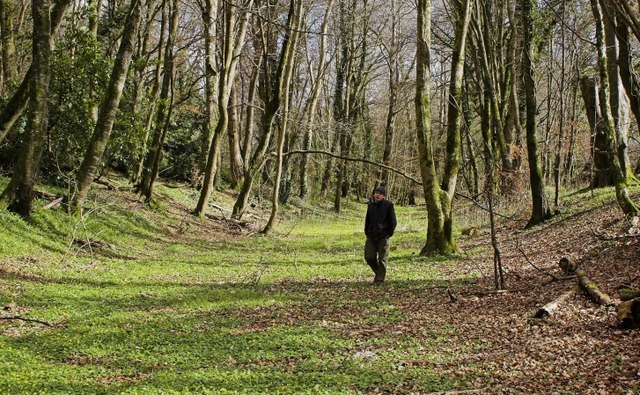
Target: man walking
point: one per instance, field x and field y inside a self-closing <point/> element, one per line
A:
<point x="379" y="224"/>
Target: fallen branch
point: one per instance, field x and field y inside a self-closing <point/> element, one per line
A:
<point x="53" y="204"/>
<point x="592" y="289"/>
<point x="17" y="317"/>
<point x="532" y="264"/>
<point x="552" y="306"/>
<point x="348" y="159"/>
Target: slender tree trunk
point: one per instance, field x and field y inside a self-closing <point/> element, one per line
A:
<point x="557" y="176"/>
<point x="233" y="133"/>
<point x="313" y="103"/>
<point x="18" y="195"/>
<point x="232" y="47"/>
<point x="540" y="207"/>
<point x="209" y="18"/>
<point x="155" y="97"/>
<point x="9" y="64"/>
<point x="109" y="108"/>
<point x="249" y="118"/>
<point x="162" y="118"/>
<point x="293" y="26"/>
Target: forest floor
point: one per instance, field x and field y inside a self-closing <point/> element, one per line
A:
<point x="156" y="301"/>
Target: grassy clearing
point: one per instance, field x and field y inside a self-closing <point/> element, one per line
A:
<point x="151" y="300"/>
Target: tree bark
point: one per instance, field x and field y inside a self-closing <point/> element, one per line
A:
<point x="272" y="105"/>
<point x="591" y="289"/>
<point x="163" y="113"/>
<point x="18" y="102"/>
<point x="293" y="26"/>
<point x="209" y="17"/>
<point x="437" y="241"/>
<point x="9" y="64"/>
<point x="540" y="207"/>
<point x="621" y="181"/>
<point x="109" y="108"/>
<point x="18" y="195"/>
<point x="313" y="102"/>
<point x="233" y="45"/>
<point x="549" y="308"/>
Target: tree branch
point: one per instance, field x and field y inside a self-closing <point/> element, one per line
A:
<point x="355" y="160"/>
<point x="17" y="317"/>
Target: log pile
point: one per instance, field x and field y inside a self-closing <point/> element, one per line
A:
<point x="628" y="310"/>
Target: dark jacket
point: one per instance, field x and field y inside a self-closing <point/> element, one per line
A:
<point x="380" y="222"/>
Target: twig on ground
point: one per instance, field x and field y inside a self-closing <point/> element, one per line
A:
<point x="17" y="317"/>
<point x="519" y="248"/>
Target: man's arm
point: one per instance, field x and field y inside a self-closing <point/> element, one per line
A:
<point x="392" y="219"/>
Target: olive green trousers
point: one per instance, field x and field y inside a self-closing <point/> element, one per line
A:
<point x="376" y="253"/>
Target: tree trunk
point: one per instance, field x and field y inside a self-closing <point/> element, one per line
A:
<point x="618" y="99"/>
<point x="540" y="208"/>
<point x="209" y="18"/>
<point x="18" y="195"/>
<point x="621" y="181"/>
<point x="233" y="45"/>
<point x="9" y="64"/>
<point x="18" y="101"/>
<point x="602" y="171"/>
<point x="233" y="133"/>
<point x="163" y="114"/>
<point x="272" y="105"/>
<point x="313" y="103"/>
<point x="591" y="289"/>
<point x="294" y="21"/>
<point x="436" y="242"/>
<point x="109" y="107"/>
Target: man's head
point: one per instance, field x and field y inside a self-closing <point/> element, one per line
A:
<point x="378" y="194"/>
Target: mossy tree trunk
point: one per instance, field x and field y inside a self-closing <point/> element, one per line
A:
<point x="540" y="207"/>
<point x="18" y="195"/>
<point x="18" y="102"/>
<point x="436" y="240"/>
<point x="620" y="179"/>
<point x="109" y="108"/>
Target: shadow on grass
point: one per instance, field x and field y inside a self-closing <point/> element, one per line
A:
<point x="246" y="338"/>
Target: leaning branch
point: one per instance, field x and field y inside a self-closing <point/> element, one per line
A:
<point x="348" y="159"/>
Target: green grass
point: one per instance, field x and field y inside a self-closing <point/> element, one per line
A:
<point x="161" y="311"/>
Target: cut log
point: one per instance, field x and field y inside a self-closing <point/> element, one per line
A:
<point x="591" y="289"/>
<point x="629" y="294"/>
<point x="552" y="306"/>
<point x="629" y="313"/>
<point x="54" y="203"/>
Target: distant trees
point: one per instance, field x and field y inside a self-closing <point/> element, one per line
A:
<point x="509" y="96"/>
